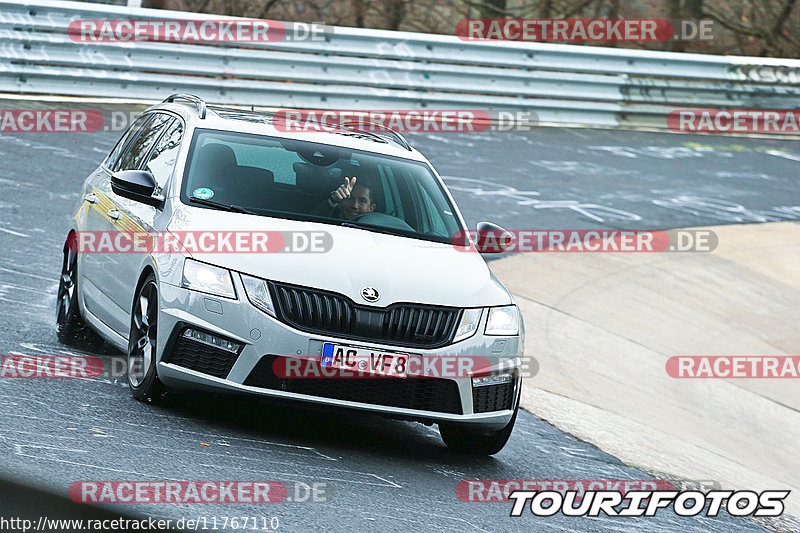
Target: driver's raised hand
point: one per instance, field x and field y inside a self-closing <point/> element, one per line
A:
<point x="342" y="192"/>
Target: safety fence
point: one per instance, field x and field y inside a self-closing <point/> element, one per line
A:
<point x="351" y="68"/>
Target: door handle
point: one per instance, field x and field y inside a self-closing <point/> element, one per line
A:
<point x="113" y="214"/>
<point x="91" y="198"/>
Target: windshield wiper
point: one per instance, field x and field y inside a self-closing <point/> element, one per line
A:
<point x="218" y="205"/>
<point x="378" y="229"/>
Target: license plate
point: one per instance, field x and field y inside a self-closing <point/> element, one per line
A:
<point x="364" y="361"/>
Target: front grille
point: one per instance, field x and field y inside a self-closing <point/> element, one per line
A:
<point x="425" y="394"/>
<point x="200" y="357"/>
<point x="402" y="324"/>
<point x="492" y="397"/>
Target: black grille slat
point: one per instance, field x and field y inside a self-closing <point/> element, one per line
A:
<point x="291" y="306"/>
<point x="387" y="324"/>
<point x="394" y="323"/>
<point x="429" y="314"/>
<point x="422" y="322"/>
<point x="450" y="323"/>
<point x="402" y="324"/>
<point x="413" y="323"/>
<point x="327" y="312"/>
<point x="284" y="298"/>
<point x="319" y="302"/>
<point x="343" y="315"/>
<point x="345" y="312"/>
<point x="303" y="305"/>
<point x="407" y="323"/>
<point x="298" y="305"/>
<point x="437" y="324"/>
<point x="424" y="394"/>
<point x="313" y="309"/>
<point x="337" y="320"/>
<point x="308" y="307"/>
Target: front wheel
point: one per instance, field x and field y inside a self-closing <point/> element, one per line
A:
<point x="460" y="438"/>
<point x="142" y="377"/>
<point x="70" y="326"/>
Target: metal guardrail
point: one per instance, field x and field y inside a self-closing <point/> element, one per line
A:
<point x="375" y="69"/>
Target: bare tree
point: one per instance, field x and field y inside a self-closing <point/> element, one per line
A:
<point x="746" y="27"/>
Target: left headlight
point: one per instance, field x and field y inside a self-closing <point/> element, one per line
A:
<point x="468" y="324"/>
<point x="207" y="278"/>
<point x="503" y="321"/>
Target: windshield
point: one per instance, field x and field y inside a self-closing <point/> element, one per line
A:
<point x="321" y="183"/>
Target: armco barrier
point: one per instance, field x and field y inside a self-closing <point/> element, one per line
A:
<point x="375" y="69"/>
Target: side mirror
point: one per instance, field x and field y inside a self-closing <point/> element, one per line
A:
<point x="136" y="185"/>
<point x="493" y="239"/>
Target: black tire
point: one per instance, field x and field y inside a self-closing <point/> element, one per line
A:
<point x="70" y="327"/>
<point x="141" y="361"/>
<point x="460" y="438"/>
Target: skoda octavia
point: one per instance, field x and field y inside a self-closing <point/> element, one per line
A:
<point x="378" y="317"/>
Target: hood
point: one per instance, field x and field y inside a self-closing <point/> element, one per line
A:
<point x="400" y="268"/>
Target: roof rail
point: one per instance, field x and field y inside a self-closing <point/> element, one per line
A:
<point x="196" y="100"/>
<point x="348" y="124"/>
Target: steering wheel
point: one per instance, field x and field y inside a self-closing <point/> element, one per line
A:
<point x="382" y="219"/>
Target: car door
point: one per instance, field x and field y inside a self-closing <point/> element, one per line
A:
<point x="114" y="280"/>
<point x="160" y="161"/>
<point x="93" y="266"/>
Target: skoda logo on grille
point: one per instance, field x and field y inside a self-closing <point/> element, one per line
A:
<point x="370" y="294"/>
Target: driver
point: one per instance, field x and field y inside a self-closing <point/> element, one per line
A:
<point x="347" y="201"/>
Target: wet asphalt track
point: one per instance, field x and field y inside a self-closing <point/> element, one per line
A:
<point x="388" y="475"/>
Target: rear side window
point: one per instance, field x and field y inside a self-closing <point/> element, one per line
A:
<point x="165" y="154"/>
<point x="137" y="149"/>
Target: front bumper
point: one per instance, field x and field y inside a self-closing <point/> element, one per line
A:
<point x="263" y="336"/>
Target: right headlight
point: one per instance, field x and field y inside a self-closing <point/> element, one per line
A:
<point x="503" y="320"/>
<point x="258" y="293"/>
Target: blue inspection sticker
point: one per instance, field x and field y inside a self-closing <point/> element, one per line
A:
<point x="204" y="193"/>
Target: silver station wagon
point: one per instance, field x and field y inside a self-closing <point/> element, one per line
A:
<point x="370" y="303"/>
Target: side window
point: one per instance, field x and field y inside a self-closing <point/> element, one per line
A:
<point x="433" y="222"/>
<point x="136" y="150"/>
<point x="394" y="205"/>
<point x="133" y="131"/>
<point x="165" y="154"/>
